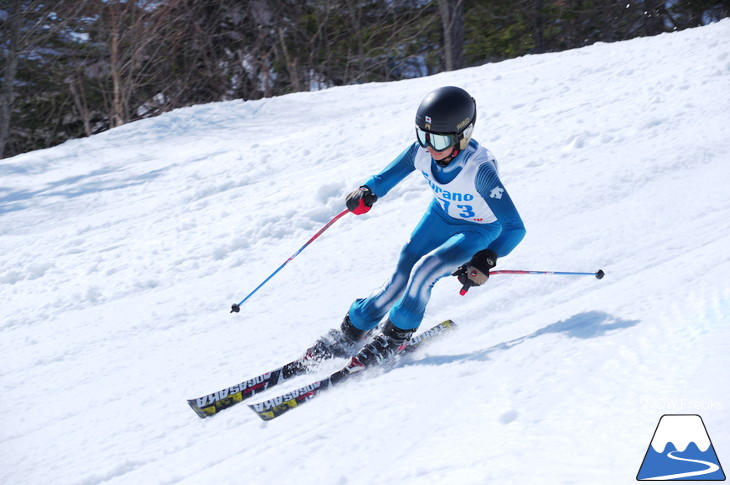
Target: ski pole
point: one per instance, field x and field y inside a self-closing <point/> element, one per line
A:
<point x="236" y="307"/>
<point x="598" y="274"/>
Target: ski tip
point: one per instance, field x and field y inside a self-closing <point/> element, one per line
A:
<point x="268" y="410"/>
<point x="202" y="412"/>
<point x="264" y="415"/>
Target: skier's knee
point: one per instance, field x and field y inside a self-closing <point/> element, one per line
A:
<point x="408" y="256"/>
<point x="430" y="269"/>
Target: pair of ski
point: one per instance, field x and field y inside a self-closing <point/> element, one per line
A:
<point x="211" y="404"/>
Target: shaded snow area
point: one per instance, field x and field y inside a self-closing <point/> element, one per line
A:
<point x="120" y="255"/>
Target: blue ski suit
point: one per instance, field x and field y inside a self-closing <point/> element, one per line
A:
<point x="470" y="211"/>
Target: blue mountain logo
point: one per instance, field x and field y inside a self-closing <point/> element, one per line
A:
<point x="681" y="450"/>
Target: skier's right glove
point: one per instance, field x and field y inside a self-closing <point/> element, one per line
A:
<point x="360" y="200"/>
<point x="476" y="271"/>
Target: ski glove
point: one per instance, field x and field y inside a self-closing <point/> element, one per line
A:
<point x="360" y="200"/>
<point x="476" y="271"/>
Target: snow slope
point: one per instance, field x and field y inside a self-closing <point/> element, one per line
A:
<point x="120" y="255"/>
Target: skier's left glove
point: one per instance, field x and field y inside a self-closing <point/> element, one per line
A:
<point x="360" y="200"/>
<point x="476" y="271"/>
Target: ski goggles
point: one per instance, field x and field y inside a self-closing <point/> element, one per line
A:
<point x="437" y="141"/>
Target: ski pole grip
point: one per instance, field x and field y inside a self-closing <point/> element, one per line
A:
<point x="460" y="274"/>
<point x="468" y="284"/>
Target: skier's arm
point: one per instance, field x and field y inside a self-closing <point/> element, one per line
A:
<point x="499" y="201"/>
<point x="398" y="169"/>
<point x="476" y="271"/>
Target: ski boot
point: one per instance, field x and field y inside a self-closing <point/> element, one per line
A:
<point x="382" y="349"/>
<point x="343" y="342"/>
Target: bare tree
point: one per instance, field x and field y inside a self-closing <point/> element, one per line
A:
<point x="134" y="36"/>
<point x="452" y="21"/>
<point x="26" y="26"/>
<point x="12" y="45"/>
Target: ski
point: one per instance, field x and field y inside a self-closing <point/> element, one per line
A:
<point x="211" y="404"/>
<point x="275" y="407"/>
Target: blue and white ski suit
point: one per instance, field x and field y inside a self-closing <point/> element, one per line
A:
<point x="471" y="211"/>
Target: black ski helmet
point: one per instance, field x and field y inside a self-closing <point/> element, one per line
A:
<point x="448" y="110"/>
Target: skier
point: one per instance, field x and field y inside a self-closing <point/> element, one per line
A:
<point x="469" y="224"/>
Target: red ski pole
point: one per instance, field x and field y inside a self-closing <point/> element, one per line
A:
<point x="236" y="307"/>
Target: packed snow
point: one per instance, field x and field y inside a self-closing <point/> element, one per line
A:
<point x="120" y="255"/>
